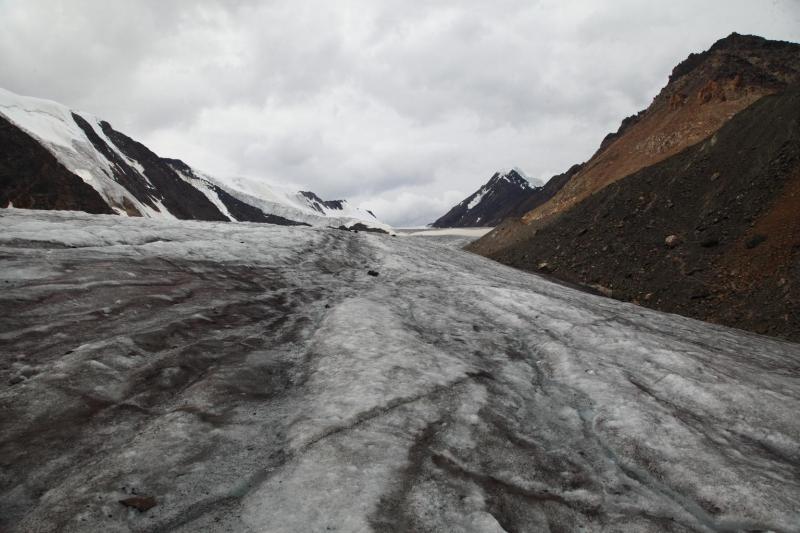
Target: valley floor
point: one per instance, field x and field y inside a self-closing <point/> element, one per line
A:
<point x="247" y="377"/>
<point x="452" y="237"/>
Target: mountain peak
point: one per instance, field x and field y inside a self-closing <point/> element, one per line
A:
<point x="738" y="41"/>
<point x="516" y="176"/>
<point x="734" y="45"/>
<point x="508" y="193"/>
<point x="511" y="176"/>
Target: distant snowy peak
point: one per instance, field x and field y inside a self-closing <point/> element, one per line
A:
<point x="517" y="177"/>
<point x="497" y="184"/>
<point x="335" y="207"/>
<point x="493" y="202"/>
<point x="302" y="206"/>
<point x="95" y="165"/>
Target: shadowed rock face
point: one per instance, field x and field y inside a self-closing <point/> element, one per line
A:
<point x="181" y="199"/>
<point x="505" y="195"/>
<point x="126" y="176"/>
<point x="247" y="213"/>
<point x="712" y="233"/>
<point x="318" y="203"/>
<point x="544" y="193"/>
<point x="32" y="178"/>
<point x="493" y="202"/>
<point x="240" y="210"/>
<point x="194" y="376"/>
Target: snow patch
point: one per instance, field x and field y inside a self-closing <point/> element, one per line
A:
<point x="477" y="199"/>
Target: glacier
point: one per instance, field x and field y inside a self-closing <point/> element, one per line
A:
<point x="250" y="377"/>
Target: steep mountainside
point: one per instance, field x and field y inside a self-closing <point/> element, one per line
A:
<point x="703" y="92"/>
<point x="508" y="193"/>
<point x="712" y="232"/>
<point x="31" y="177"/>
<point x="54" y="158"/>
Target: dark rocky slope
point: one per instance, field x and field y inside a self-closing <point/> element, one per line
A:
<point x="712" y="233"/>
<point x="319" y="204"/>
<point x="494" y="200"/>
<point x="32" y="178"/>
<point x="122" y="172"/>
<point x="240" y="210"/>
<point x="505" y="195"/>
<point x="180" y="198"/>
<point x="542" y="194"/>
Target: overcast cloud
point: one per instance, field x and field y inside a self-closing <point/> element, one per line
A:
<point x="402" y="107"/>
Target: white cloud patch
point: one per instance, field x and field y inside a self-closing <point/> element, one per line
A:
<point x="404" y="107"/>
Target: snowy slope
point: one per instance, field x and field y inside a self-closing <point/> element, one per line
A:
<point x="53" y="125"/>
<point x="252" y="378"/>
<point x="134" y="181"/>
<point x="298" y="205"/>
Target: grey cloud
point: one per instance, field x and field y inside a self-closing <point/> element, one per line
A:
<point x="406" y="107"/>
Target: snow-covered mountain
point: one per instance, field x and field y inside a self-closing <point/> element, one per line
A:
<point x="303" y="206"/>
<point x="494" y="201"/>
<point x="56" y="158"/>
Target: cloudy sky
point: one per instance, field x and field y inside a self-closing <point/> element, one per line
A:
<point x="402" y="107"/>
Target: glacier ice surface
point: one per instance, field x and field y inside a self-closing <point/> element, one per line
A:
<point x="252" y="377"/>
